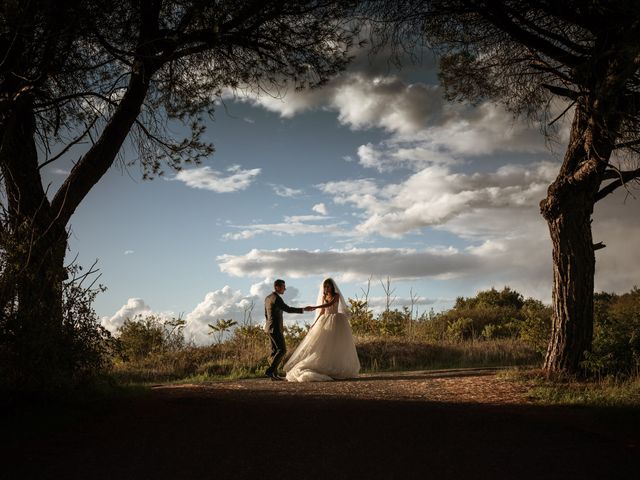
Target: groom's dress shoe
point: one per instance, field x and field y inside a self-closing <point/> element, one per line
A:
<point x="273" y="376"/>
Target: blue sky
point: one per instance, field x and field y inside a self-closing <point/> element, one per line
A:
<point x="374" y="175"/>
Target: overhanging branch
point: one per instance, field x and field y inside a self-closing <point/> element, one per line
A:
<point x="562" y="91"/>
<point x="494" y="12"/>
<point x="622" y="179"/>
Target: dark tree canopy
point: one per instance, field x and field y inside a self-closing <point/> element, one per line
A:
<point x="79" y="78"/>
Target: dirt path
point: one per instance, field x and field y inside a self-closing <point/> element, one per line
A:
<point x="427" y="425"/>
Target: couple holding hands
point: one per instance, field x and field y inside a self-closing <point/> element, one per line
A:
<point x="327" y="352"/>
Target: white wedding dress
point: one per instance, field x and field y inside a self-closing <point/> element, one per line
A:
<point x="327" y="352"/>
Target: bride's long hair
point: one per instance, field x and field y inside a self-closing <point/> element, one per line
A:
<point x="325" y="297"/>
<point x="342" y="305"/>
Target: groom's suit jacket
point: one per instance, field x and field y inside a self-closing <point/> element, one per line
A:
<point x="273" y="308"/>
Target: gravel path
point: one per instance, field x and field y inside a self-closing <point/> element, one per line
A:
<point x="454" y="424"/>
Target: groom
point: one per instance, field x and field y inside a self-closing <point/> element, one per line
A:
<point x="273" y="308"/>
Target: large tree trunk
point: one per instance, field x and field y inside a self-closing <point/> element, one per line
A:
<point x="572" y="296"/>
<point x="567" y="209"/>
<point x="34" y="244"/>
<point x="34" y="237"/>
<point x="37" y="320"/>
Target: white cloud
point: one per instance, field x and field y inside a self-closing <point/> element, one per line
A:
<point x="464" y="133"/>
<point x="283" y="191"/>
<point x="208" y="179"/>
<point x="389" y="156"/>
<point x="351" y="264"/>
<point x="378" y="304"/>
<point x="133" y="308"/>
<point x="320" y="208"/>
<point x="305" y="218"/>
<point x="292" y="225"/>
<point x="435" y="196"/>
<point x="364" y="101"/>
<point x="286" y="228"/>
<point x="224" y="303"/>
<point x="242" y="235"/>
<point x="129" y="252"/>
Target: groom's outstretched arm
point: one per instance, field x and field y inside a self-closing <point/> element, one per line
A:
<point x="286" y="308"/>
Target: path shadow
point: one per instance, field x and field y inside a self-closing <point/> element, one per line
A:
<point x="240" y="434"/>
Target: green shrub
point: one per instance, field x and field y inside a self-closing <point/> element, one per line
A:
<point x="616" y="339"/>
<point x="460" y="329"/>
<point x="361" y="319"/>
<point x="392" y="323"/>
<point x="535" y="326"/>
<point x="140" y="337"/>
<point x="83" y="348"/>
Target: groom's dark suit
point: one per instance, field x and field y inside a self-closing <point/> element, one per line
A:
<point x="273" y="308"/>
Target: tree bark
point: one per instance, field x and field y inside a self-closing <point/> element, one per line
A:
<point x="572" y="295"/>
<point x="567" y="209"/>
<point x="34" y="245"/>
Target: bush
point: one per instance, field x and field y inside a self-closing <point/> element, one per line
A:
<point x="392" y="323"/>
<point x="491" y="314"/>
<point x="535" y="327"/>
<point x="88" y="345"/>
<point x="83" y="347"/>
<point x="460" y="329"/>
<point x="616" y="339"/>
<point x="140" y="337"/>
<point x="362" y="322"/>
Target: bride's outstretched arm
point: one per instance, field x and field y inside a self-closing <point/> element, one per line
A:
<point x="328" y="304"/>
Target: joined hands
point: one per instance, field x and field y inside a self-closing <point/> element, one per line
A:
<point x="309" y="308"/>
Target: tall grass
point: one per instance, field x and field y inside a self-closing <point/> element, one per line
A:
<point x="235" y="359"/>
<point x="400" y="354"/>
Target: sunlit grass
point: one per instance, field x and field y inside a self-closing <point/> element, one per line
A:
<point x="235" y="360"/>
<point x="608" y="391"/>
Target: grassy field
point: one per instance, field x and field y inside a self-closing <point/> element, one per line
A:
<point x="231" y="360"/>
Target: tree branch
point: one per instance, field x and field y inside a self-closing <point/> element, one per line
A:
<point x="70" y="145"/>
<point x="629" y="144"/>
<point x="94" y="164"/>
<point x="623" y="178"/>
<point x="562" y="91"/>
<point x="493" y="12"/>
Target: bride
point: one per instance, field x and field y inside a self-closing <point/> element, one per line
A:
<point x="328" y="351"/>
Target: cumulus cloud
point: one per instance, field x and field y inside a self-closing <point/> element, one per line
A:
<point x="206" y="178"/>
<point x="320" y="208"/>
<point x="135" y="307"/>
<point x="227" y="303"/>
<point x="435" y="195"/>
<point x="363" y="101"/>
<point x="224" y="303"/>
<point x="464" y="133"/>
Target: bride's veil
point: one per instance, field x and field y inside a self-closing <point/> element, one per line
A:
<point x="342" y="305"/>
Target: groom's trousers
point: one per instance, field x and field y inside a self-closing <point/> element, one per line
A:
<point x="278" y="349"/>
